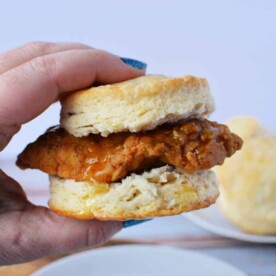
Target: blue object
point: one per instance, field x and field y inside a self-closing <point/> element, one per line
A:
<point x="132" y="222"/>
<point x="134" y="63"/>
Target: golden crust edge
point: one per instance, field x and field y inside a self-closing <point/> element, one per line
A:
<point x="159" y="213"/>
<point x="122" y="89"/>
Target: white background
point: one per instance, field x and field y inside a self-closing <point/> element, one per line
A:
<point x="232" y="43"/>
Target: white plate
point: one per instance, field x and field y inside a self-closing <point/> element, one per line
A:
<point x="134" y="260"/>
<point x="213" y="220"/>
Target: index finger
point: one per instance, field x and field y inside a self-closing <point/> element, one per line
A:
<point x="27" y="52"/>
<point x="27" y="90"/>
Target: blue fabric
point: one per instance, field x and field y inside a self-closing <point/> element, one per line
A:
<point x="132" y="222"/>
<point x="134" y="63"/>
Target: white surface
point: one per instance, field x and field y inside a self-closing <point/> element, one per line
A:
<point x="139" y="260"/>
<point x="213" y="220"/>
<point x="232" y="43"/>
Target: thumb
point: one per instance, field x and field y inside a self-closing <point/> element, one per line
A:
<point x="38" y="232"/>
<point x="31" y="232"/>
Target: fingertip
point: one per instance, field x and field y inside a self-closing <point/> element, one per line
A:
<point x="113" y="69"/>
<point x="114" y="226"/>
<point x="99" y="232"/>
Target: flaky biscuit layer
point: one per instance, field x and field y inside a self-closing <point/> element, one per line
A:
<point x="135" y="105"/>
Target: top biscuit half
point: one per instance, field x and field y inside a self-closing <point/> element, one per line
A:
<point x="135" y="105"/>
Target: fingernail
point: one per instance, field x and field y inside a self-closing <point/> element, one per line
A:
<point x="132" y="222"/>
<point x="134" y="63"/>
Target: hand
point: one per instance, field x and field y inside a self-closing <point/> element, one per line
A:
<point x="32" y="77"/>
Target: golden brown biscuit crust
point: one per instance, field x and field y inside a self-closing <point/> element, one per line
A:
<point x="158" y="213"/>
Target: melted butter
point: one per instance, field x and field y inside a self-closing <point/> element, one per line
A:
<point x="97" y="189"/>
<point x="187" y="193"/>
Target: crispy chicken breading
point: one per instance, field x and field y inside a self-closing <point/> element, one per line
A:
<point x="195" y="144"/>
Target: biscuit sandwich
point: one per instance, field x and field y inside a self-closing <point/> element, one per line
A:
<point x="133" y="150"/>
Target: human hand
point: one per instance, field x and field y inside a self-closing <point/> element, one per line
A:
<point x="32" y="77"/>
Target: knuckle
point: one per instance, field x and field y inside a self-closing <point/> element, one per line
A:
<point x="81" y="45"/>
<point x="44" y="64"/>
<point x="101" y="236"/>
<point x="100" y="55"/>
<point x="38" y="47"/>
<point x="95" y="235"/>
<point x="4" y="57"/>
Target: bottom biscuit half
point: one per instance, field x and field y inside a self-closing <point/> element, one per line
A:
<point x="162" y="191"/>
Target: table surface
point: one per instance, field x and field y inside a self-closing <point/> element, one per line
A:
<point x="178" y="231"/>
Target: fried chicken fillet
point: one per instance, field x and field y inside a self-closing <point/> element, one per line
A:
<point x="193" y="145"/>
